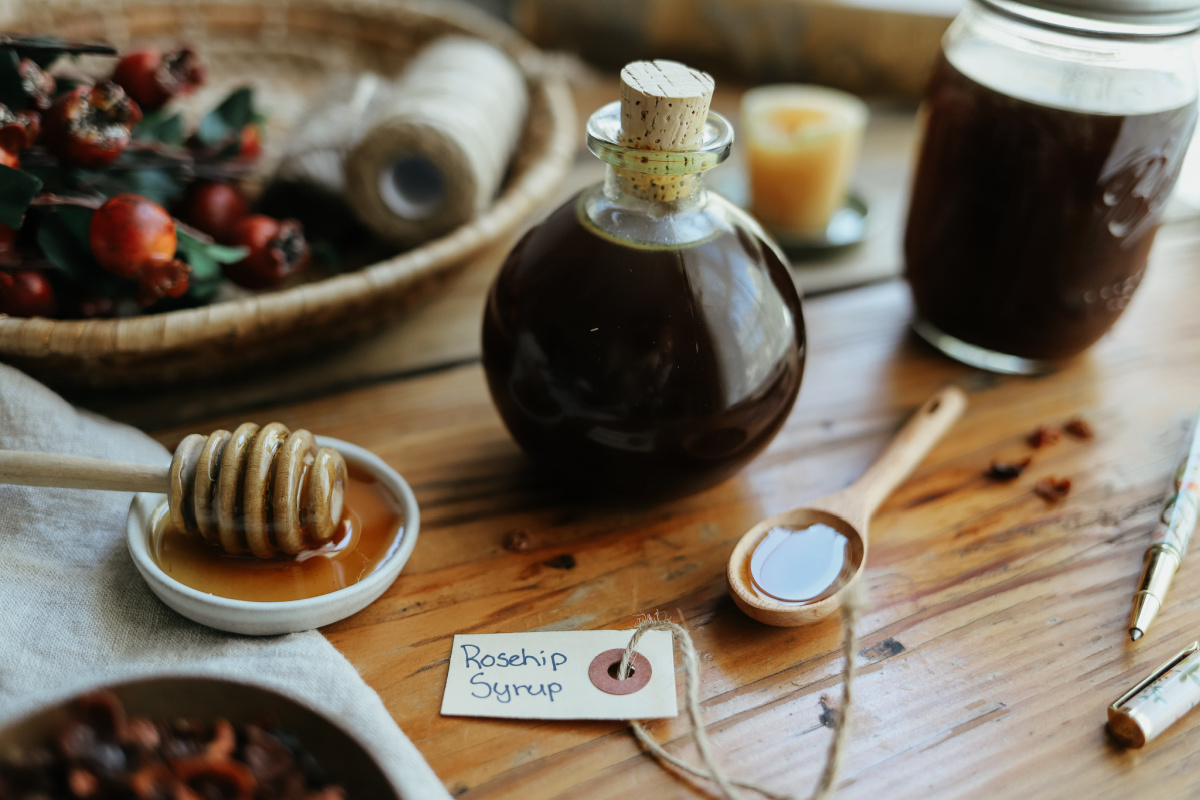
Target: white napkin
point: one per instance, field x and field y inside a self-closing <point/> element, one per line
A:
<point x="75" y="614"/>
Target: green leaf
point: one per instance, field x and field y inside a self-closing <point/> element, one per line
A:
<point x="225" y="254"/>
<point x="325" y="254"/>
<point x="227" y="120"/>
<point x="17" y="190"/>
<point x="154" y="183"/>
<point x="202" y="291"/>
<point x="162" y="126"/>
<point x="205" y="259"/>
<point x="63" y="236"/>
<point x="219" y="253"/>
<point x="159" y="185"/>
<point x="12" y="93"/>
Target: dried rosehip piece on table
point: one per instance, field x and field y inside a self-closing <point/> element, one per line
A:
<point x="1042" y="436"/>
<point x="135" y="238"/>
<point x="1052" y="489"/>
<point x="517" y="541"/>
<point x="152" y="78"/>
<point x="277" y="250"/>
<point x="1004" y="471"/>
<point x="1079" y="428"/>
<point x="90" y="126"/>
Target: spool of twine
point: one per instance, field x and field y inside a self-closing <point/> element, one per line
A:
<point x="310" y="181"/>
<point x="327" y="132"/>
<point x="437" y="143"/>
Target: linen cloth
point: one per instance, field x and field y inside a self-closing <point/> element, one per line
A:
<point x="75" y="613"/>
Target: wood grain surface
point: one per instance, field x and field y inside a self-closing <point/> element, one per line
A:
<point x="994" y="636"/>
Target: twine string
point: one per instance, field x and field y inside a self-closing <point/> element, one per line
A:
<point x="713" y="771"/>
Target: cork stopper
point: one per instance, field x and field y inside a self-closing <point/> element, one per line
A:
<point x="664" y="106"/>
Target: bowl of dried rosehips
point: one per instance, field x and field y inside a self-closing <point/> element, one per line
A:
<point x="186" y="737"/>
<point x="135" y="145"/>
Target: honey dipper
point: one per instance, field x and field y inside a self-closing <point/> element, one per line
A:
<point x="263" y="490"/>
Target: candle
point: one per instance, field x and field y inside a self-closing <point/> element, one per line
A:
<point x="802" y="143"/>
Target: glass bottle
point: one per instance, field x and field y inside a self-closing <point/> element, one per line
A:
<point x="646" y="339"/>
<point x="1052" y="138"/>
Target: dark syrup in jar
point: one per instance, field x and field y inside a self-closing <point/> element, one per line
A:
<point x="1029" y="225"/>
<point x="649" y="371"/>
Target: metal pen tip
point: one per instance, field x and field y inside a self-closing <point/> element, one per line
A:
<point x="1135" y="634"/>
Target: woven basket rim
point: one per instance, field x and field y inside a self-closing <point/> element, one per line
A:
<point x="156" y="333"/>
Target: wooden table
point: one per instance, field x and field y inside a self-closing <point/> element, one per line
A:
<point x="994" y="636"/>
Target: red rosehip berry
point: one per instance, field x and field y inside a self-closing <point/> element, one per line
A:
<point x="9" y="255"/>
<point x="250" y="142"/>
<point x="166" y="279"/>
<point x="214" y="207"/>
<point x="277" y="251"/>
<point x="26" y="293"/>
<point x="95" y="306"/>
<point x="135" y="238"/>
<point x="90" y="125"/>
<point x="38" y="85"/>
<point x="129" y="233"/>
<point x="152" y="77"/>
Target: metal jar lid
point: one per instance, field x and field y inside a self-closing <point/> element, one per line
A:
<point x="1122" y="18"/>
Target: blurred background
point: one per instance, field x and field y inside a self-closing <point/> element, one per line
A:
<point x="878" y="48"/>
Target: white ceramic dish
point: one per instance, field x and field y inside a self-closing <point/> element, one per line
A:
<point x="265" y="619"/>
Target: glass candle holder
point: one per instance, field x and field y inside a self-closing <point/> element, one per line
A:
<point x="802" y="145"/>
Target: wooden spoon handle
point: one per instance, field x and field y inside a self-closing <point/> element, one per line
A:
<point x="76" y="472"/>
<point x="916" y="438"/>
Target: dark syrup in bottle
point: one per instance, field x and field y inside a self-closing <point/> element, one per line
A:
<point x="1030" y="225"/>
<point x="649" y="371"/>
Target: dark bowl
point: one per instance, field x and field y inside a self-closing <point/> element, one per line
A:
<point x="340" y="754"/>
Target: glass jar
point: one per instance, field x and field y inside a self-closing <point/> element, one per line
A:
<point x="1052" y="138"/>
<point x="643" y="347"/>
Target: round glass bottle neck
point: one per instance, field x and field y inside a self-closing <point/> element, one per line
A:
<point x="604" y="140"/>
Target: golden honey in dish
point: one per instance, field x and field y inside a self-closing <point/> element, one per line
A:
<point x="372" y="521"/>
<point x="799" y="565"/>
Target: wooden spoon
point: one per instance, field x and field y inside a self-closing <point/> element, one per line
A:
<point x="847" y="512"/>
<point x="263" y="490"/>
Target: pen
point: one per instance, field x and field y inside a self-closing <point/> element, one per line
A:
<point x="1171" y="536"/>
<point x="1159" y="701"/>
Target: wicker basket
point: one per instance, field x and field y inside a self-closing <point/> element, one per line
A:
<point x="285" y="49"/>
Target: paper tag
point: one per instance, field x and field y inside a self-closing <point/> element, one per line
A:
<point x="559" y="675"/>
